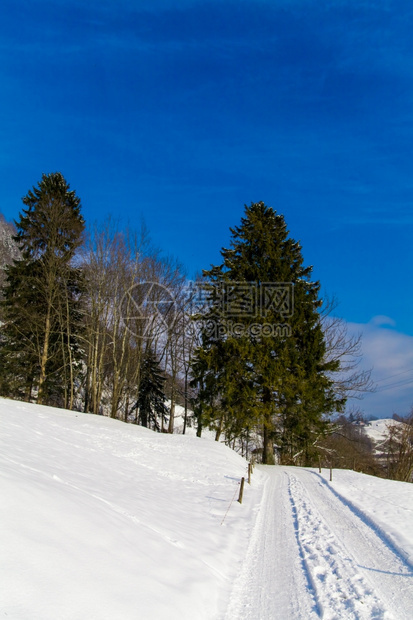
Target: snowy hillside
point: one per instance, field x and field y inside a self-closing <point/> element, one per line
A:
<point x="104" y="520"/>
<point x="377" y="430"/>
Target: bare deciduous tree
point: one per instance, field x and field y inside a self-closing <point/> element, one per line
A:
<point x="8" y="248"/>
<point x="352" y="381"/>
<point x="398" y="451"/>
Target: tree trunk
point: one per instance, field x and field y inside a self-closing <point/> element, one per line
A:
<point x="44" y="358"/>
<point x="28" y="390"/>
<point x="268" y="447"/>
<point x="268" y="444"/>
<point x="199" y="427"/>
<point x="172" y="410"/>
<point x="86" y="405"/>
<point x="69" y="350"/>
<point x="219" y="429"/>
<point x="186" y="403"/>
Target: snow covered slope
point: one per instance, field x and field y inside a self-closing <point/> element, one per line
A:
<point x="103" y="520"/>
<point x="377" y="430"/>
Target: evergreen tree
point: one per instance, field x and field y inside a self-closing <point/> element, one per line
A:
<point x="18" y="358"/>
<point x="39" y="349"/>
<point x="263" y="353"/>
<point x="151" y="397"/>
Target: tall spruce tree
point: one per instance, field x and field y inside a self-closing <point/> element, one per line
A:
<point x="263" y="354"/>
<point x="40" y="349"/>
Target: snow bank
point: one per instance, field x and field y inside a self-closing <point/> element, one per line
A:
<point x="100" y="519"/>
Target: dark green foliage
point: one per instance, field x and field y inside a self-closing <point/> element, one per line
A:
<point x="226" y="389"/>
<point x="151" y="397"/>
<point x="18" y="359"/>
<point x="40" y="340"/>
<point x="52" y="223"/>
<point x="259" y="375"/>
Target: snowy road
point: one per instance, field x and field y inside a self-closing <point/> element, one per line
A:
<point x="312" y="555"/>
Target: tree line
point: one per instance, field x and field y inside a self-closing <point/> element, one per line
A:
<point x="349" y="446"/>
<point x="95" y="319"/>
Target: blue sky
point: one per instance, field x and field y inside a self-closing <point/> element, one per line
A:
<point x="183" y="115"/>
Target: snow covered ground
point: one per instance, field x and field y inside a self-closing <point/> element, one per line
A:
<point x="103" y="520"/>
<point x="377" y="430"/>
<point x="336" y="550"/>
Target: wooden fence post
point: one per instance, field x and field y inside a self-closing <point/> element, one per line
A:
<point x="331" y="473"/>
<point x="249" y="472"/>
<point x="241" y="490"/>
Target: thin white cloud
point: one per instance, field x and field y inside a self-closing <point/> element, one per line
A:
<point x="389" y="353"/>
<point x="381" y="321"/>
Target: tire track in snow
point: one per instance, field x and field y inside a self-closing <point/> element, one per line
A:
<point x="339" y="586"/>
<point x="273" y="583"/>
<point x="384" y="536"/>
<point x="366" y="550"/>
<point x="311" y="556"/>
